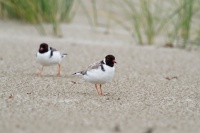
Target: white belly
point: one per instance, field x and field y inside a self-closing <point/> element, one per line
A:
<point x="97" y="76"/>
<point x="45" y="60"/>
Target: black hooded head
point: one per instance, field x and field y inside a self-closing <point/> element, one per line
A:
<point x="110" y="60"/>
<point x="43" y="48"/>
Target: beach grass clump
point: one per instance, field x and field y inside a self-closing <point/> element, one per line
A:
<point x="147" y="19"/>
<point x="176" y="21"/>
<point x="182" y="22"/>
<point x="39" y="11"/>
<point x="138" y="18"/>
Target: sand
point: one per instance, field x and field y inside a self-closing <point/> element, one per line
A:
<point x="154" y="90"/>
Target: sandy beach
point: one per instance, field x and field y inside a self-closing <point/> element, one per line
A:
<point x="154" y="90"/>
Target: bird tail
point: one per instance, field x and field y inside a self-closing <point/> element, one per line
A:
<point x="63" y="55"/>
<point x="77" y="73"/>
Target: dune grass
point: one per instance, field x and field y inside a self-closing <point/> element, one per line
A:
<point x="39" y="12"/>
<point x="138" y="18"/>
<point x="183" y="15"/>
<point x="145" y="20"/>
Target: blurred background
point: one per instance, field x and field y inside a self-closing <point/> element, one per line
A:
<point x="172" y="23"/>
<point x="154" y="90"/>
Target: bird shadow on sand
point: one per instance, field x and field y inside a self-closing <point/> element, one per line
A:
<point x="89" y="94"/>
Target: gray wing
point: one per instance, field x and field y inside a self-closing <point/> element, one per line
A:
<point x="95" y="65"/>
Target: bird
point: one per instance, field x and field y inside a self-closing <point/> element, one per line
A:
<point x="99" y="73"/>
<point x="48" y="56"/>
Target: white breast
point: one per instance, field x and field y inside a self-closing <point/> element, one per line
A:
<point x="45" y="60"/>
<point x="97" y="76"/>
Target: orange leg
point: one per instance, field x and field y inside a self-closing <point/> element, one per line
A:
<point x="39" y="73"/>
<point x="101" y="93"/>
<point x="97" y="89"/>
<point x="58" y="70"/>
